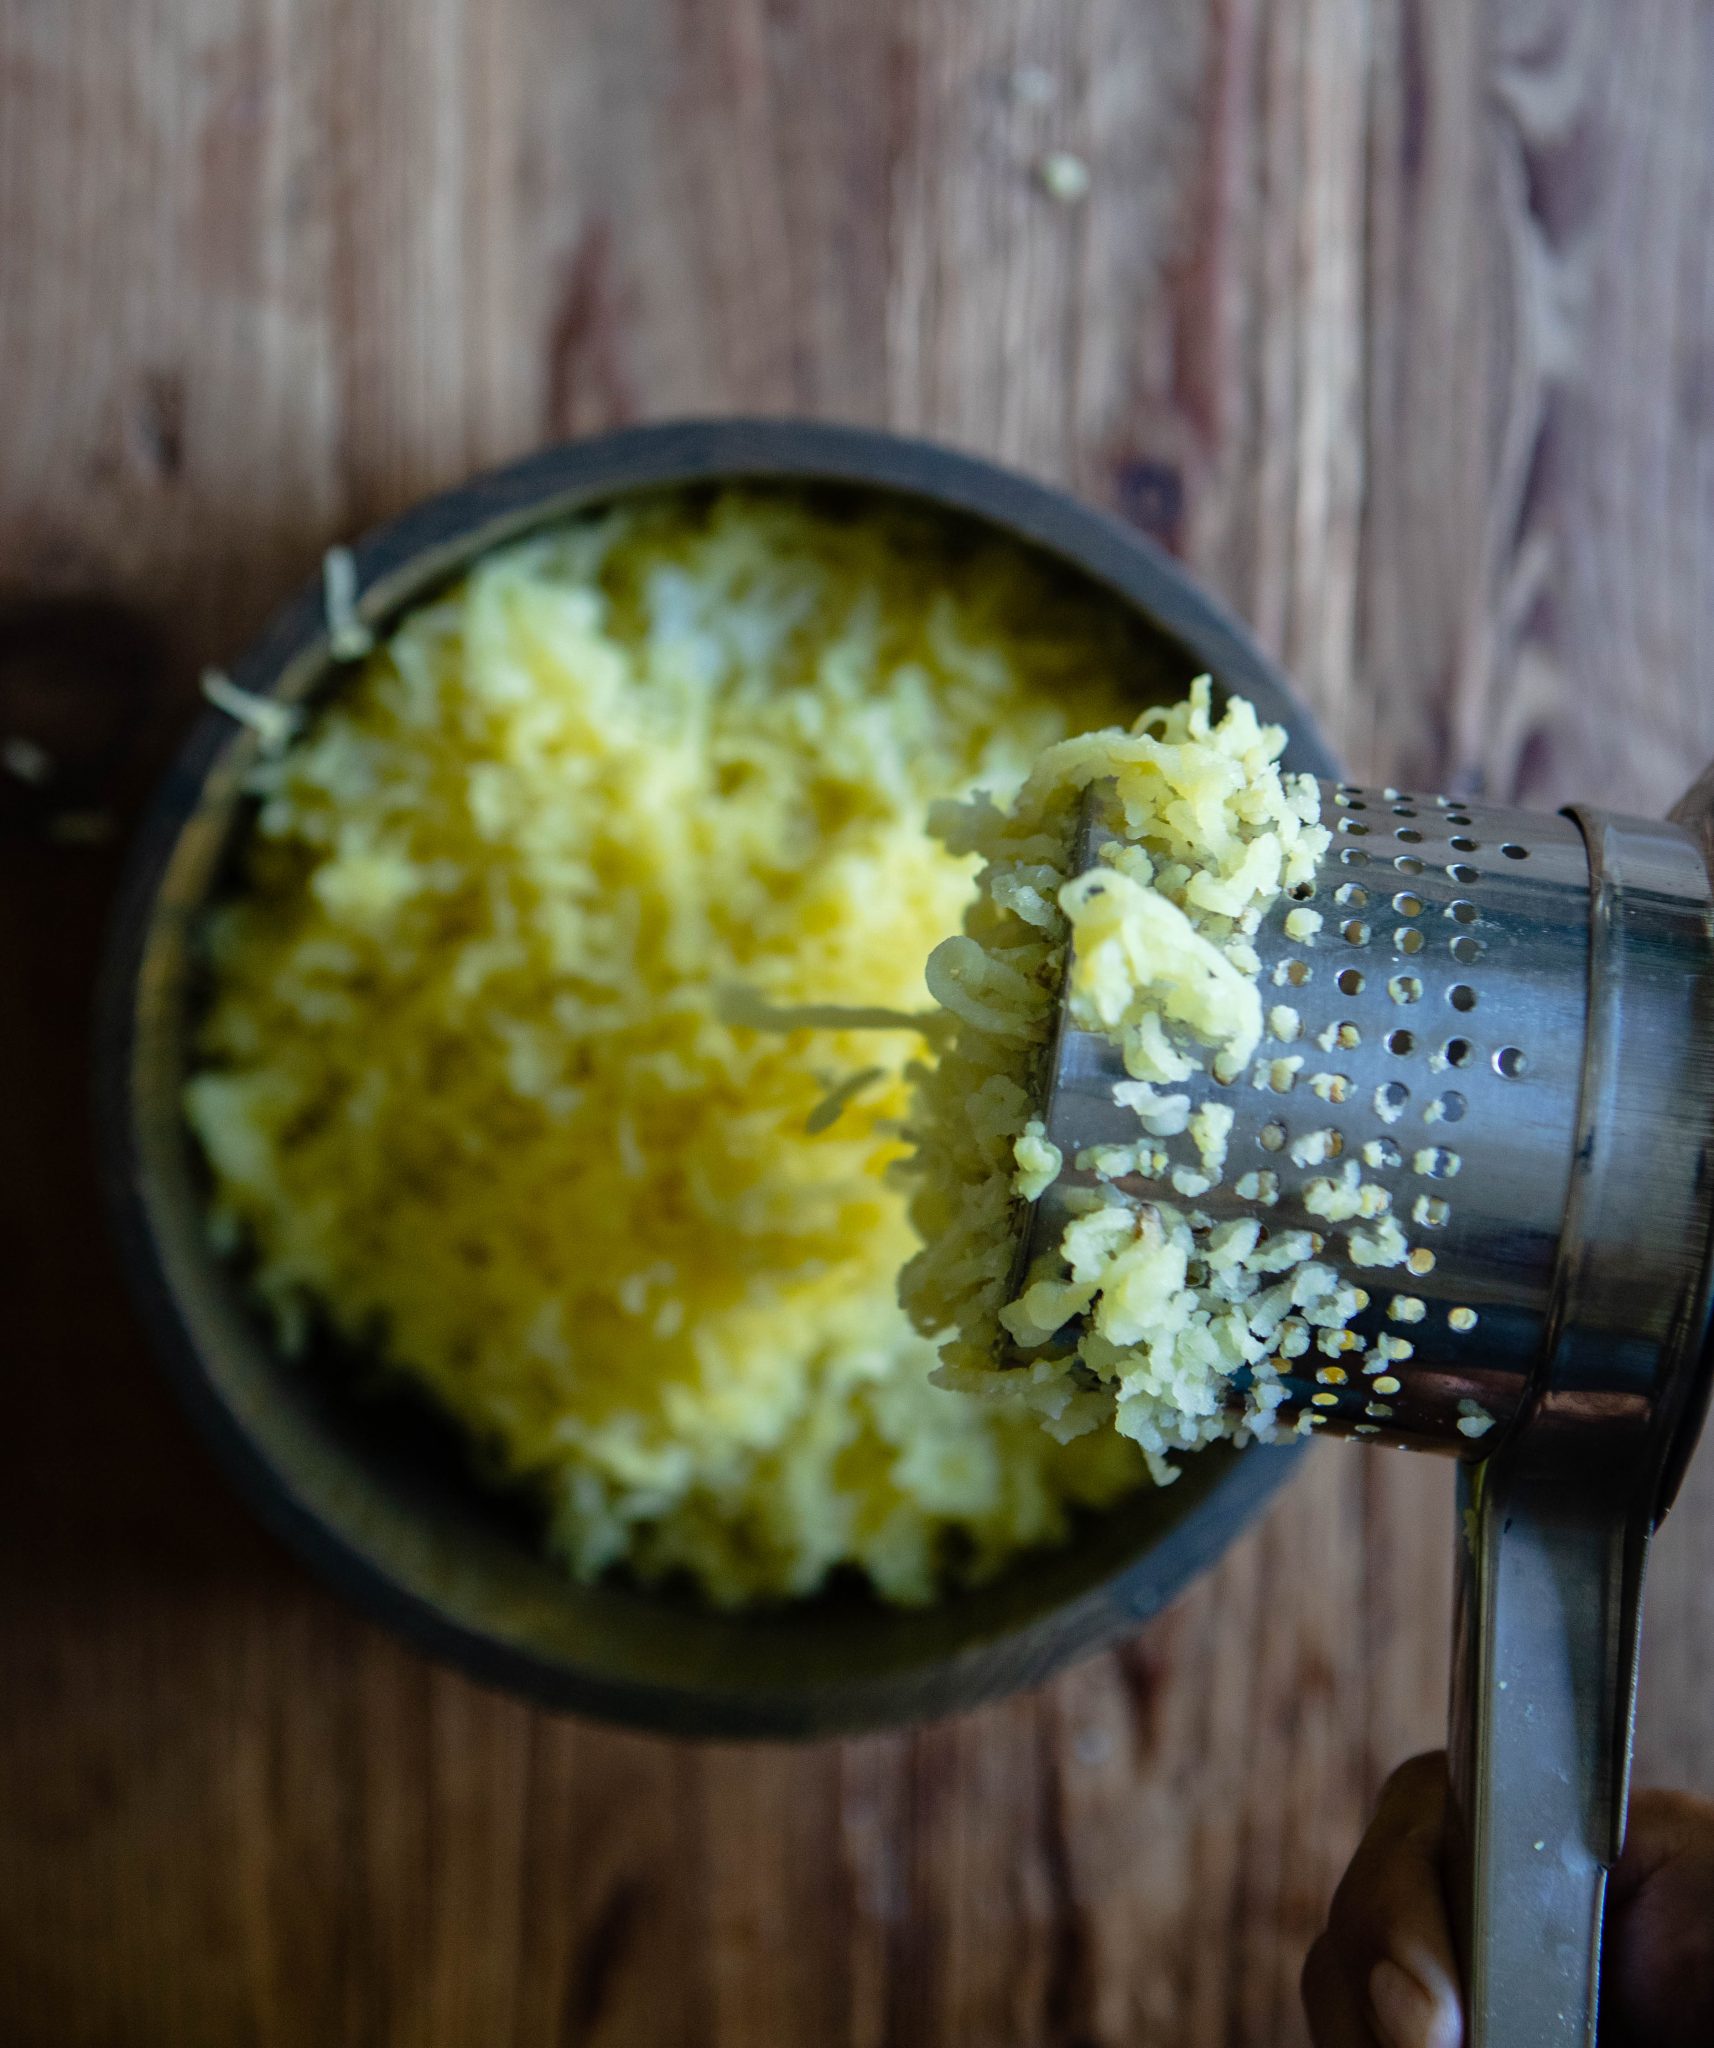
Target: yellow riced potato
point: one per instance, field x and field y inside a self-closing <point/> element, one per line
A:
<point x="473" y="1088"/>
<point x="1151" y="949"/>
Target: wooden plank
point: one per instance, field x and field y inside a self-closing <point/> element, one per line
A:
<point x="1393" y="318"/>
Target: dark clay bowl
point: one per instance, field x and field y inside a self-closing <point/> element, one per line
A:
<point x="374" y="1492"/>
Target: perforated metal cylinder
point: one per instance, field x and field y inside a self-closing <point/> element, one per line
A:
<point x="1437" y="1022"/>
<point x="1507" y="1021"/>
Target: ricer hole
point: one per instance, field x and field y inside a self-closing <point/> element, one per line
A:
<point x="1509" y="1062"/>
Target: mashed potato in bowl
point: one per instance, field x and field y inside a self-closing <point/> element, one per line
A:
<point x="471" y="1085"/>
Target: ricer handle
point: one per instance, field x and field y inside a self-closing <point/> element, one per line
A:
<point x="1544" y="1669"/>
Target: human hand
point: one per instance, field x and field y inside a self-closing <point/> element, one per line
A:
<point x="1384" y="1973"/>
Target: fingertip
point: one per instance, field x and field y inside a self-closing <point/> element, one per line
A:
<point x="1420" y="1781"/>
<point x="1407" y="2013"/>
<point x="1331" y="1990"/>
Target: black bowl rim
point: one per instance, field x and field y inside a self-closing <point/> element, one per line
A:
<point x="394" y="562"/>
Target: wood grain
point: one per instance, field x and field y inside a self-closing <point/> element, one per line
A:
<point x="1395" y="318"/>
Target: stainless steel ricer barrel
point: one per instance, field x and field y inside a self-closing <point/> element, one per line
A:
<point x="1508" y="1018"/>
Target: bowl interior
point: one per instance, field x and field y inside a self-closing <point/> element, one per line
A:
<point x="378" y="1491"/>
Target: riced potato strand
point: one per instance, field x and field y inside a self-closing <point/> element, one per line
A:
<point x="1145" y="1314"/>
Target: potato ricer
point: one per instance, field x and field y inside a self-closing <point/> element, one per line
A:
<point x="1508" y="1019"/>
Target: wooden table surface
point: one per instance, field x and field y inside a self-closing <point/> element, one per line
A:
<point x="1393" y="317"/>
